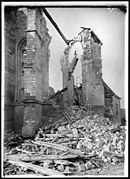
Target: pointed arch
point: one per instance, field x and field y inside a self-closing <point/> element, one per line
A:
<point x="77" y="46"/>
<point x="21" y="50"/>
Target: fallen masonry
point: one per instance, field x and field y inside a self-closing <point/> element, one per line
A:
<point x="80" y="142"/>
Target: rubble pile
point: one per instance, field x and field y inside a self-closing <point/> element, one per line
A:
<point x="78" y="142"/>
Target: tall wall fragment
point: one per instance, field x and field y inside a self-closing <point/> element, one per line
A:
<point x="68" y="78"/>
<point x="92" y="86"/>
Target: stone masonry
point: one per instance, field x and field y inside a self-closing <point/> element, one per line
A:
<point x="26" y="104"/>
<point x="35" y="69"/>
<point x="92" y="85"/>
<point x="27" y="76"/>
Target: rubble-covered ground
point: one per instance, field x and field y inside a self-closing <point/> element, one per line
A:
<point x="80" y="143"/>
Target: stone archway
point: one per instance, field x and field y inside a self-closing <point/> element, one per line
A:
<point x="77" y="47"/>
<point x="21" y="59"/>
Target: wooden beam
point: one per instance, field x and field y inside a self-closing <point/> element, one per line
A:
<point x="36" y="168"/>
<point x="59" y="147"/>
<point x="58" y="92"/>
<point x="55" y="25"/>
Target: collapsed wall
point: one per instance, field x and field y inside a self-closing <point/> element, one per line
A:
<point x="92" y="85"/>
<point x="26" y="71"/>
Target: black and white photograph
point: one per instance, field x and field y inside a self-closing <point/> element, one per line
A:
<point x="64" y="89"/>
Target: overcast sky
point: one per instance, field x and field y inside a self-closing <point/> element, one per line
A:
<point x="108" y="25"/>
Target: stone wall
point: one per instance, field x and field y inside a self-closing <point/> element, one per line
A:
<point x="26" y="66"/>
<point x="20" y="35"/>
<point x="112" y="104"/>
<point x="10" y="68"/>
<point x="49" y="114"/>
<point x="92" y="85"/>
<point x="36" y="78"/>
<point x="123" y="117"/>
<point x="116" y="109"/>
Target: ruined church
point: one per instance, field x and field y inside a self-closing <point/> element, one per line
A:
<point x="28" y="103"/>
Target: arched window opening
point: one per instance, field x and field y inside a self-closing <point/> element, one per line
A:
<point x="23" y="57"/>
<point x="77" y="47"/>
<point x="20" y="60"/>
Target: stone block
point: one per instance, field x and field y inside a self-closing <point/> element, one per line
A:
<point x="108" y="154"/>
<point x="75" y="132"/>
<point x="28" y="130"/>
<point x="62" y="129"/>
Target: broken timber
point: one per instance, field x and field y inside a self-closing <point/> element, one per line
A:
<point x="55" y="25"/>
<point x="42" y="170"/>
<point x="59" y="147"/>
<point x="58" y="92"/>
<point x="47" y="157"/>
<point x="38" y="157"/>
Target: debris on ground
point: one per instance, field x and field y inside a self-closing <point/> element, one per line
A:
<point x="78" y="143"/>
